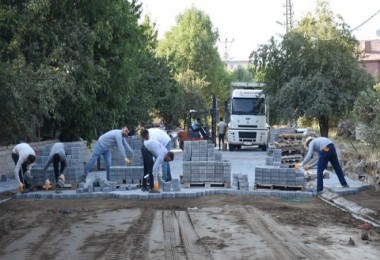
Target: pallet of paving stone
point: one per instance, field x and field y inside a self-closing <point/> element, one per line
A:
<point x="72" y="186"/>
<point x="207" y="184"/>
<point x="65" y="187"/>
<point x="278" y="187"/>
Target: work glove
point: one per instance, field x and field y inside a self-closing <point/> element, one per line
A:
<point x="297" y="165"/>
<point x="47" y="185"/>
<point x="127" y="161"/>
<point x="307" y="167"/>
<point x="156" y="186"/>
<point x="21" y="187"/>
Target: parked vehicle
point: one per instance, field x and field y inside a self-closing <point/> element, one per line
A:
<point x="248" y="116"/>
<point x="188" y="134"/>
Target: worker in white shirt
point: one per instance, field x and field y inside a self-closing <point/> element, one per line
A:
<point x="163" y="138"/>
<point x="161" y="154"/>
<point x="23" y="156"/>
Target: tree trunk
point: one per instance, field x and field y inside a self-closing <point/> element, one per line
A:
<point x="323" y="126"/>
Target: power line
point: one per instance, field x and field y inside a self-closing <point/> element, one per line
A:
<point x="360" y="25"/>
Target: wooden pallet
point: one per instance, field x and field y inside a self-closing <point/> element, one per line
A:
<point x="278" y="187"/>
<point x="206" y="184"/>
<point x="65" y="187"/>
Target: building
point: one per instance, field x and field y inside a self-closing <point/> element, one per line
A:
<point x="235" y="64"/>
<point x="371" y="60"/>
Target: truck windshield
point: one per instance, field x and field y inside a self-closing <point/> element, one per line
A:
<point x="248" y="106"/>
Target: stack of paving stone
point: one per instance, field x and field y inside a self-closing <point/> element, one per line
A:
<point x="240" y="181"/>
<point x="274" y="159"/>
<point x="203" y="165"/>
<point x="122" y="173"/>
<point x="291" y="147"/>
<point x="278" y="177"/>
<point x="101" y="186"/>
<point x="176" y="185"/>
<point x="276" y="174"/>
<point x="75" y="152"/>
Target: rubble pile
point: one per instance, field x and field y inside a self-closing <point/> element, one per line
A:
<point x="361" y="166"/>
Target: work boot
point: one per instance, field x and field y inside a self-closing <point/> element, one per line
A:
<point x="144" y="189"/>
<point x="346" y="186"/>
<point x="60" y="183"/>
<point x="83" y="178"/>
<point x="154" y="191"/>
<point x="58" y="189"/>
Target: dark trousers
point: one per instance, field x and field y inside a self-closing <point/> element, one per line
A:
<point x="58" y="171"/>
<point x="148" y="167"/>
<point x="324" y="157"/>
<point x="23" y="169"/>
<point x="221" y="139"/>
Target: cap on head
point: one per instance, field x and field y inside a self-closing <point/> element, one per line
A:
<point x="307" y="141"/>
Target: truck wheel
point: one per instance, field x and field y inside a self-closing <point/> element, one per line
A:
<point x="238" y="147"/>
<point x="230" y="147"/>
<point x="264" y="147"/>
<point x="181" y="145"/>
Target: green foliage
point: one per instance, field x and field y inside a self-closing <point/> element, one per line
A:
<point x="314" y="72"/>
<point x="367" y="108"/>
<point x="191" y="45"/>
<point x="78" y="67"/>
<point x="192" y="97"/>
<point x="241" y="74"/>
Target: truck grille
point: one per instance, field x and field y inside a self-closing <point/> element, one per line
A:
<point x="250" y="126"/>
<point x="243" y="135"/>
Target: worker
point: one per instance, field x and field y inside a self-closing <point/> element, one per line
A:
<point x="196" y="126"/>
<point x="159" y="152"/>
<point x="163" y="138"/>
<point x="148" y="162"/>
<point x="23" y="156"/>
<point x="57" y="156"/>
<point x="103" y="147"/>
<point x="221" y="131"/>
<point x="326" y="153"/>
<point x="139" y="128"/>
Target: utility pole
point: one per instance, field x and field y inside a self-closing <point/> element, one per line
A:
<point x="227" y="45"/>
<point x="289" y="15"/>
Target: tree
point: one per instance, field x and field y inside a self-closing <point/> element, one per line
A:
<point x="192" y="96"/>
<point x="191" y="45"/>
<point x="241" y="74"/>
<point x="314" y="72"/>
<point x="367" y="108"/>
<point x="74" y="65"/>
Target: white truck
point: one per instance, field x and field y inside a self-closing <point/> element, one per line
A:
<point x="248" y="116"/>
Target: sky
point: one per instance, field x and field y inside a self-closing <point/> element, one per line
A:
<point x="245" y="24"/>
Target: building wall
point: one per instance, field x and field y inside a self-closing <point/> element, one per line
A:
<point x="371" y="61"/>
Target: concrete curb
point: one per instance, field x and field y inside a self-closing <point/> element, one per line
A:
<point x="163" y="195"/>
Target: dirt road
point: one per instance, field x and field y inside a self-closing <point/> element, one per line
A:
<point x="212" y="227"/>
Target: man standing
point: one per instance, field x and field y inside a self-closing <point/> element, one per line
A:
<point x="159" y="152"/>
<point x="23" y="156"/>
<point x="57" y="156"/>
<point x="326" y="153"/>
<point x="222" y="131"/>
<point x="103" y="147"/>
<point x="163" y="138"/>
